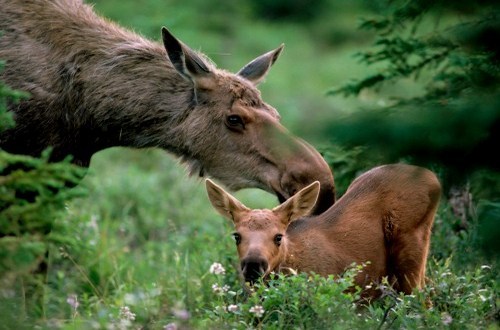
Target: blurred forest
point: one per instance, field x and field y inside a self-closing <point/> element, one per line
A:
<point x="366" y="82"/>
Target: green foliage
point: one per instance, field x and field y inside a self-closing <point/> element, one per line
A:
<point x="461" y="301"/>
<point x="314" y="302"/>
<point x="7" y="95"/>
<point x="457" y="112"/>
<point x="33" y="192"/>
<point x="301" y="301"/>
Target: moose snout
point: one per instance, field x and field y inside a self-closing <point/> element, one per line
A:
<point x="253" y="268"/>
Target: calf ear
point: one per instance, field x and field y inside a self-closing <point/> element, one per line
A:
<point x="187" y="62"/>
<point x="228" y="206"/>
<point x="299" y="205"/>
<point x="256" y="70"/>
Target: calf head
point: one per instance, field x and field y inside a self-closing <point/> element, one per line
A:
<point x="232" y="135"/>
<point x="260" y="235"/>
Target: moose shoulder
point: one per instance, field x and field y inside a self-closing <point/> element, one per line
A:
<point x="94" y="85"/>
<point x="385" y="217"/>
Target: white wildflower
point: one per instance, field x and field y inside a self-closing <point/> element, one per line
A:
<point x="217" y="269"/>
<point x="446" y="318"/>
<point x="72" y="300"/>
<point x="126" y="314"/>
<point x="257" y="310"/>
<point x="220" y="289"/>
<point x="232" y="308"/>
<point x="181" y="313"/>
<point x="170" y="326"/>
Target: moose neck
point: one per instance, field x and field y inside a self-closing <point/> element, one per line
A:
<point x="101" y="86"/>
<point x="147" y="110"/>
<point x="96" y="105"/>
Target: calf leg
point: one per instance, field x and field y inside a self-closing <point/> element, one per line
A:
<point x="408" y="257"/>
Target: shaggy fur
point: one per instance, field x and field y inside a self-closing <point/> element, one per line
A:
<point x="94" y="85"/>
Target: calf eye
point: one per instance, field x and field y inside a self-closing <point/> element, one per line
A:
<point x="237" y="238"/>
<point x="277" y="239"/>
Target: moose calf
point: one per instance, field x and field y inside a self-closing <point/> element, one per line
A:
<point x="385" y="217"/>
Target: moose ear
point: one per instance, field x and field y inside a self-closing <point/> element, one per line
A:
<point x="299" y="205"/>
<point x="186" y="61"/>
<point x="256" y="70"/>
<point x="228" y="206"/>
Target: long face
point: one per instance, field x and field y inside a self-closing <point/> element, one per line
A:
<point x="233" y="136"/>
<point x="260" y="235"/>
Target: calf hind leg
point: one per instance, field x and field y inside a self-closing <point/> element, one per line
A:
<point x="408" y="258"/>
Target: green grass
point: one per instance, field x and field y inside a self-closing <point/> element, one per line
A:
<point x="146" y="236"/>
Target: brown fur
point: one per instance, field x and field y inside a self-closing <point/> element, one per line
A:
<point x="94" y="85"/>
<point x="385" y="217"/>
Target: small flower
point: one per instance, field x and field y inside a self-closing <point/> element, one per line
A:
<point x="72" y="300"/>
<point x="217" y="269"/>
<point x="257" y="310"/>
<point x="170" y="326"/>
<point x="220" y="290"/>
<point x="126" y="314"/>
<point x="446" y="318"/>
<point x="181" y="314"/>
<point x="232" y="308"/>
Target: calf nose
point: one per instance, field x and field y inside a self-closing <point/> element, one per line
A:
<point x="253" y="269"/>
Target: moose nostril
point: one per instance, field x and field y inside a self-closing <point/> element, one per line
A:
<point x="253" y="269"/>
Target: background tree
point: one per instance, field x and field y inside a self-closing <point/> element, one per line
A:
<point x="447" y="54"/>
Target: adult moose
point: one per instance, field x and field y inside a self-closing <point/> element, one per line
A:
<point x="385" y="217"/>
<point x="94" y="85"/>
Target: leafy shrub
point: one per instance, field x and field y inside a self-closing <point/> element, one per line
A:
<point x="302" y="301"/>
<point x="465" y="300"/>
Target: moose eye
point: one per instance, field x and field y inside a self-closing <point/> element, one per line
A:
<point x="237" y="238"/>
<point x="277" y="239"/>
<point x="235" y="122"/>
